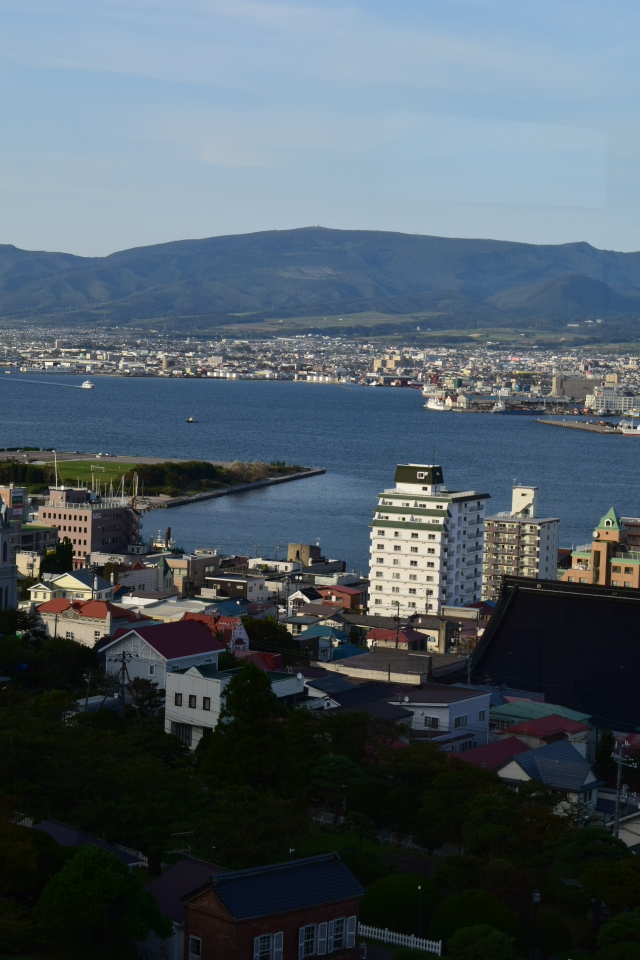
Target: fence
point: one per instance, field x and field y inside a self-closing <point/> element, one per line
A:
<point x="400" y="939"/>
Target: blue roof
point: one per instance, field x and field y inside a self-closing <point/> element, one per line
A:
<point x="284" y="887"/>
<point x="231" y="608"/>
<point x="558" y="765"/>
<point x="347" y="650"/>
<point x="320" y="630"/>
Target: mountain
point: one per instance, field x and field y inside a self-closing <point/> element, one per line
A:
<point x="316" y="272"/>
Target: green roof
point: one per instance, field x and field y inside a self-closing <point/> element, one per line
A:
<point x="533" y="710"/>
<point x="610" y="521"/>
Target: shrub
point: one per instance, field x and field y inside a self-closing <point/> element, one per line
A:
<point x="471" y="909"/>
<point x="394" y="902"/>
<point x="482" y="942"/>
<point x="554" y="935"/>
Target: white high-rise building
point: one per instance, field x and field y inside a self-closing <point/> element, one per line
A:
<point x="426" y="544"/>
<point x="519" y="543"/>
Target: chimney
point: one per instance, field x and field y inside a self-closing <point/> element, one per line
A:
<point x="95" y="584"/>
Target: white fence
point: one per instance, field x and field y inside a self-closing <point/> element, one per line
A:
<point x="400" y="939"/>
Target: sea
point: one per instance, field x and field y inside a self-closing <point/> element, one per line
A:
<point x="358" y="434"/>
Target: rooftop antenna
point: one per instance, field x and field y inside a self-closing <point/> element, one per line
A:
<point x="55" y="461"/>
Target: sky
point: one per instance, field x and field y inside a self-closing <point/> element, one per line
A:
<point x="133" y="122"/>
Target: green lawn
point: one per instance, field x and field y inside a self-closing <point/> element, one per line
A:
<point x="74" y="470"/>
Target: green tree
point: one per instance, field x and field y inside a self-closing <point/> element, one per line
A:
<point x="481" y="942"/>
<point x="487" y="826"/>
<point x="616" y="884"/>
<point x="96" y="905"/>
<point x="146" y="697"/>
<point x="588" y="846"/>
<point x="332" y="777"/>
<point x="248" y="700"/>
<point x="460" y="872"/>
<point x="606" y="747"/>
<point x="59" y="560"/>
<point x="470" y="909"/>
<point x="621" y="930"/>
<point x="394" y="902"/>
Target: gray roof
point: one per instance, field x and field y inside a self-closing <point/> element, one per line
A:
<point x="284" y="887"/>
<point x="331" y="683"/>
<point x="558" y="765"/>
<point x="439" y="693"/>
<point x="87" y="577"/>
<point x="67" y="836"/>
<point x="179" y="880"/>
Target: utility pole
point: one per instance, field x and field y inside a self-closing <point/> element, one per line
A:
<point x="397" y="605"/>
<point x="618" y="759"/>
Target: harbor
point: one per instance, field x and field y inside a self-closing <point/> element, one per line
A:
<point x="607" y="428"/>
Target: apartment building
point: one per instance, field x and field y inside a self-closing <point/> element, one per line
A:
<point x="90" y="522"/>
<point x="610" y="560"/>
<point x="519" y="543"/>
<point x="16" y="500"/>
<point x="426" y="544"/>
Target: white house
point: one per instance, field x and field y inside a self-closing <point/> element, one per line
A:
<point x="195" y="697"/>
<point x="559" y="766"/>
<point x="155" y="651"/>
<point x="455" y="717"/>
<point x="79" y="585"/>
<point x="86" y="621"/>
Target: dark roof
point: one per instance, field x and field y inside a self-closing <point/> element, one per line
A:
<point x="558" y="765"/>
<point x="330" y="683"/>
<point x="181" y="638"/>
<point x="88" y="578"/>
<point x="575" y="643"/>
<point x="284" y="887"/>
<point x="438" y="693"/>
<point x="67" y="836"/>
<point x="379" y="710"/>
<point x="502" y="695"/>
<point x="177" y="882"/>
<point x="494" y="755"/>
<point x="364" y="693"/>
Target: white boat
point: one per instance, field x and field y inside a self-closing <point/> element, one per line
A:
<point x="629" y="429"/>
<point x="87" y="385"/>
<point x="498" y="407"/>
<point x="438" y="405"/>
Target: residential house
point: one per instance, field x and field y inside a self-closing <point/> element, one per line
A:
<point x="558" y="766"/>
<point x="86" y="621"/>
<point x="155" y="651"/>
<point x="300" y="597"/>
<point x="156" y="575"/>
<point x="230" y="630"/>
<point x="521" y="713"/>
<point x="36" y="540"/>
<point x="454" y="717"/>
<point x="195" y="695"/>
<point x="168" y="890"/>
<point x="538" y="732"/>
<point x="440" y="633"/>
<point x="190" y="571"/>
<point x="251" y="587"/>
<point x="79" y="585"/>
<point x="491" y="756"/>
<point x="405" y="639"/>
<point x="313" y="614"/>
<point x="303" y="908"/>
<point x="351" y="598"/>
<point x="167" y="609"/>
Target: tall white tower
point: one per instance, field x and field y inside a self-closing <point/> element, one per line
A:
<point x="8" y="569"/>
<point x="426" y="544"/>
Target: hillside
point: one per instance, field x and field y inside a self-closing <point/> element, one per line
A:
<point x="315" y="272"/>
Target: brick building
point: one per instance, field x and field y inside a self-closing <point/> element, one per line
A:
<point x="304" y="908"/>
<point x="90" y="523"/>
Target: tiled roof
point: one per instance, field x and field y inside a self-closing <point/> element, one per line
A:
<point x="493" y="755"/>
<point x="557" y="765"/>
<point x="548" y="726"/>
<point x="438" y="693"/>
<point x="181" y="638"/>
<point x="284" y="887"/>
<point x="179" y="880"/>
<point x="95" y="609"/>
<point x="405" y="635"/>
<point x="67" y="836"/>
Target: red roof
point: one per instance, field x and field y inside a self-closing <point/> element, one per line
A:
<point x="205" y="618"/>
<point x="94" y="609"/>
<point x="547" y="727"/>
<point x="181" y="638"/>
<point x="408" y="635"/>
<point x="350" y="591"/>
<point x="266" y="661"/>
<point x="493" y="755"/>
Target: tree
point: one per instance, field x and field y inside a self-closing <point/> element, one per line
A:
<point x="248" y="700"/>
<point x="481" y="943"/>
<point x="96" y="902"/>
<point x="621" y="930"/>
<point x="616" y="884"/>
<point x="606" y="747"/>
<point x="146" y="697"/>
<point x="469" y="909"/>
<point x="589" y="845"/>
<point x="487" y="826"/>
<point x="394" y="902"/>
<point x="457" y="873"/>
<point x="333" y="776"/>
<point x="59" y="560"/>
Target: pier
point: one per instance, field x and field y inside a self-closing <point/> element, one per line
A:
<point x="586" y="427"/>
<point x="155" y="503"/>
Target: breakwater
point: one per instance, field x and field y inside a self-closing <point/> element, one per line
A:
<point x="586" y="427"/>
<point x="156" y="503"/>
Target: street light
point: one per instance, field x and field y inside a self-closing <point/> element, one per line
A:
<point x="536" y="901"/>
<point x="420" y="911"/>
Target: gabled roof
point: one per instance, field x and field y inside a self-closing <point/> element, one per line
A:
<point x="548" y="726"/>
<point x="492" y="756"/>
<point x="349" y="591"/>
<point x="93" y="609"/>
<point x="405" y="635"/>
<point x="610" y="521"/>
<point x="85" y="577"/>
<point x="534" y="710"/>
<point x="179" y="880"/>
<point x="558" y="765"/>
<point x="181" y="638"/>
<point x="285" y="887"/>
<point x="67" y="836"/>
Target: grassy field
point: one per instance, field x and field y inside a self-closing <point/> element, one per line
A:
<point x="72" y="471"/>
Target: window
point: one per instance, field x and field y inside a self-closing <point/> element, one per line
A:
<point x="430" y="564"/>
<point x="616" y="583"/>
<point x="397" y="547"/>
<point x="431" y="536"/>
<point x="414" y="549"/>
<point x="339" y="932"/>
<point x="377" y="602"/>
<point x="192" y="701"/>
<point x="616" y="569"/>
<point x="381" y="546"/>
<point x="396" y="563"/>
<point x="411" y="602"/>
<point x="307" y="941"/>
<point x="396" y="533"/>
<point x="431" y="549"/>
<point x="206" y="703"/>
<point x="177" y="700"/>
<point x="413" y="563"/>
<point x="395" y="589"/>
<point x="481" y="716"/>
<point x="414" y="536"/>
<point x="413" y="576"/>
<point x="70" y="635"/>
<point x="395" y="576"/>
<point x="379" y="573"/>
<point x="152" y="669"/>
<point x="628" y="583"/>
<point x="195" y="948"/>
<point x="380" y="559"/>
<point x="96" y="634"/>
<point x="268" y="947"/>
<point x="460" y="722"/>
<point x="378" y="588"/>
<point x="381" y="533"/>
<point x="412" y="591"/>
<point x="628" y="569"/>
<point x="432" y="723"/>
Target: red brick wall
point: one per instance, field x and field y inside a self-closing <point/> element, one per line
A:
<point x="226" y="939"/>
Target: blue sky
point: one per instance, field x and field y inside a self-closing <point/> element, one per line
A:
<point x="128" y="122"/>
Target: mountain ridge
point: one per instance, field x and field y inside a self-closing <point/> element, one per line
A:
<point x="316" y="271"/>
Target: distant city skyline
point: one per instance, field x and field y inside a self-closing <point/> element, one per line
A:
<point x="146" y="121"/>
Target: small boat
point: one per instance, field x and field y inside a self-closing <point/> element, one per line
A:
<point x="87" y="385"/>
<point x="438" y="405"/>
<point x="191" y="420"/>
<point x="629" y="429"/>
<point x="498" y="407"/>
